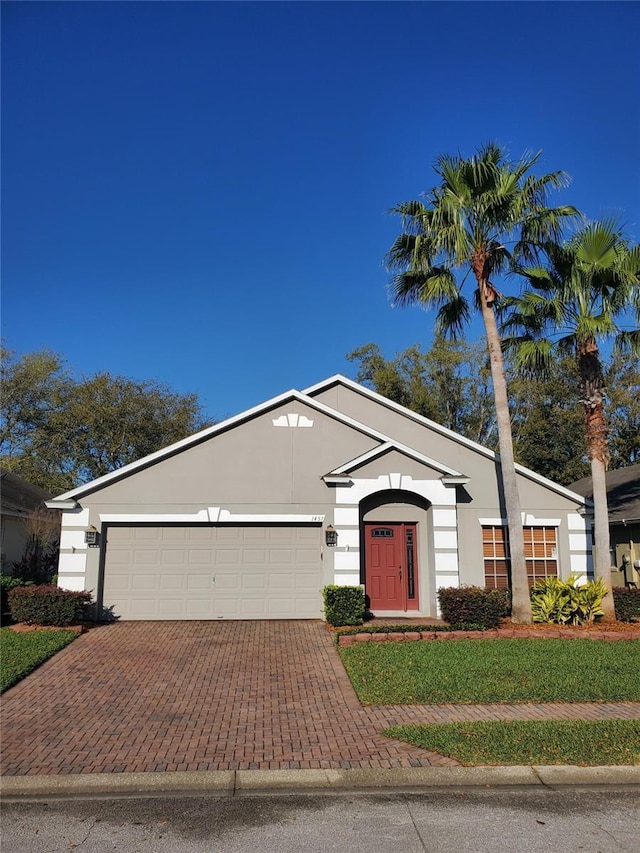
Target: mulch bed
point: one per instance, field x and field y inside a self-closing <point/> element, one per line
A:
<point x="21" y="627"/>
<point x="586" y="629"/>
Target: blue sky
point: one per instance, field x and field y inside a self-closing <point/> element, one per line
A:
<point x="198" y="192"/>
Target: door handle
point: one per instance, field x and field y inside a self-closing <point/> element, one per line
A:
<point x="400" y="572"/>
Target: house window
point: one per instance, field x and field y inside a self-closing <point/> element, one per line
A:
<point x="540" y="551"/>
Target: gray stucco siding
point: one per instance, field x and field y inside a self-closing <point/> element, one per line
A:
<point x="393" y="460"/>
<point x="256" y="462"/>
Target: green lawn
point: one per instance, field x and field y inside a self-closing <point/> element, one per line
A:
<point x="22" y="652"/>
<point x="580" y="742"/>
<point x="478" y="671"/>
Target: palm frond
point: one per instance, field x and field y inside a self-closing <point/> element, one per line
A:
<point x="526" y="162"/>
<point x="409" y="250"/>
<point x="429" y="288"/>
<point x="532" y="357"/>
<point x="541" y="226"/>
<point x="453" y="315"/>
<point x="627" y="343"/>
<point x="596" y="245"/>
<point x="566" y="345"/>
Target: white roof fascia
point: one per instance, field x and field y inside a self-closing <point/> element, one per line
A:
<point x="461" y="439"/>
<point x="221" y="427"/>
<point x="60" y="503"/>
<point x="401" y="448"/>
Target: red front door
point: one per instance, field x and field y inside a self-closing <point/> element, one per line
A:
<point x="391" y="570"/>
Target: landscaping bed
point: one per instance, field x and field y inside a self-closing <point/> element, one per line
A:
<point x="610" y="631"/>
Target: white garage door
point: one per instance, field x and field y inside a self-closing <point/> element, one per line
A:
<point x="224" y="572"/>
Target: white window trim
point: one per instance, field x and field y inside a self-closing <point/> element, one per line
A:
<point x="527" y="521"/>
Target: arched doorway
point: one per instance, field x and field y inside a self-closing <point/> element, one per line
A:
<point x="394" y="551"/>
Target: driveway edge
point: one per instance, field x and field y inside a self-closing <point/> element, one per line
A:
<point x="229" y="783"/>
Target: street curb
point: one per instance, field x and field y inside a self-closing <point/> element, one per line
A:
<point x="230" y="783"/>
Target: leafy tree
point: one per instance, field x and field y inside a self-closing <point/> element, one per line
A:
<point x="449" y="384"/>
<point x="480" y="206"/>
<point x="57" y="431"/>
<point x="547" y="423"/>
<point x="572" y="303"/>
<point x="622" y="382"/>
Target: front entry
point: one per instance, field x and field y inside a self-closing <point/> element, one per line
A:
<point x="391" y="569"/>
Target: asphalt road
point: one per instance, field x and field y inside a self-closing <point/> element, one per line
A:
<point x="457" y="821"/>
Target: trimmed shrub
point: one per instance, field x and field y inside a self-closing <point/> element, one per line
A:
<point x="627" y="603"/>
<point x="472" y="607"/>
<point x="8" y="582"/>
<point x="47" y="605"/>
<point x="343" y="605"/>
<point x="567" y="602"/>
<point x="503" y="596"/>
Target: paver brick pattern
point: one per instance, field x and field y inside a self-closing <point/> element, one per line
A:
<point x="154" y="696"/>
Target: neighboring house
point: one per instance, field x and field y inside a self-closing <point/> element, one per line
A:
<point x="19" y="500"/>
<point x="623" y="497"/>
<point x="237" y="521"/>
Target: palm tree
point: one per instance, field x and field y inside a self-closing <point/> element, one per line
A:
<point x="465" y="224"/>
<point x="575" y="300"/>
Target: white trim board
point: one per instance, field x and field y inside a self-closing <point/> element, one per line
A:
<point x="212" y="515"/>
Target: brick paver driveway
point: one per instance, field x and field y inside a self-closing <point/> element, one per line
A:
<point x="153" y="696"/>
<point x="148" y="696"/>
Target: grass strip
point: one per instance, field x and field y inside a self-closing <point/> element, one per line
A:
<point x="578" y="742"/>
<point x="22" y="652"/>
<point x="498" y="670"/>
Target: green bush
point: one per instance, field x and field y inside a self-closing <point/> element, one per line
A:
<point x="47" y="605"/>
<point x="343" y="605"/>
<point x="627" y="603"/>
<point x="8" y="582"/>
<point x="472" y="607"/>
<point x="567" y="602"/>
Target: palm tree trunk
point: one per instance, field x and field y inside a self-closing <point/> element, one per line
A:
<point x="593" y="398"/>
<point x="520" y="596"/>
<point x="602" y="562"/>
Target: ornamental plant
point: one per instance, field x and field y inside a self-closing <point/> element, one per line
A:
<point x="567" y="602"/>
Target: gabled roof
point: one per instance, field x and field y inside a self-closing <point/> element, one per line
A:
<point x="338" y="379"/>
<point x="623" y="493"/>
<point x="350" y="466"/>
